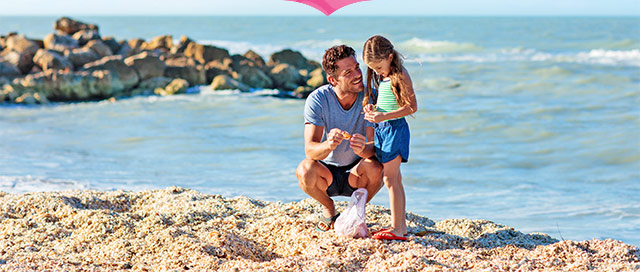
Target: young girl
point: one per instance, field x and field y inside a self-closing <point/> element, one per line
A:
<point x="395" y="99"/>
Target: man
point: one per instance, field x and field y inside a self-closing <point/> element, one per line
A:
<point x="335" y="165"/>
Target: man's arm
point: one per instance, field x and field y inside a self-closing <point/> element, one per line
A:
<point x="314" y="148"/>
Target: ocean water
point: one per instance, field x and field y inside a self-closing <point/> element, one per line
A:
<point x="531" y="122"/>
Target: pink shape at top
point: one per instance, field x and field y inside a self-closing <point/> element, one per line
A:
<point x="327" y="6"/>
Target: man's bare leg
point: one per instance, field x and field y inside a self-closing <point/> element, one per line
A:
<point x="314" y="179"/>
<point x="367" y="174"/>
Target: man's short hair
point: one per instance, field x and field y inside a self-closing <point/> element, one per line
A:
<point x="333" y="55"/>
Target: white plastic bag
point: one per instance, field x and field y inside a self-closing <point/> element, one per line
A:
<point x="351" y="222"/>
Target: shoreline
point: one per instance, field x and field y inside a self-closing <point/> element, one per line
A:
<point x="178" y="228"/>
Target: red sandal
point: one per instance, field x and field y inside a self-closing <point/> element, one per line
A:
<point x="387" y="235"/>
<point x="381" y="230"/>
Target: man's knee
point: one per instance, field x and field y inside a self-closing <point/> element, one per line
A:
<point x="305" y="172"/>
<point x="373" y="168"/>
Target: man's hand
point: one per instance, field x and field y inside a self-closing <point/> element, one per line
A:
<point x="334" y="138"/>
<point x="358" y="143"/>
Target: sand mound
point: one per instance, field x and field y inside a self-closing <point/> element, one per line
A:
<point x="181" y="229"/>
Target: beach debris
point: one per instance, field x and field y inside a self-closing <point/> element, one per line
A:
<point x="178" y="228"/>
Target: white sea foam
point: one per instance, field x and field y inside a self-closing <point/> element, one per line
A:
<point x="595" y="56"/>
<point x="24" y="184"/>
<point x="419" y="46"/>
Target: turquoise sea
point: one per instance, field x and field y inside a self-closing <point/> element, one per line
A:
<point x="531" y="122"/>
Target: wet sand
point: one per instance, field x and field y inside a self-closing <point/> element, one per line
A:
<point x="181" y="229"/>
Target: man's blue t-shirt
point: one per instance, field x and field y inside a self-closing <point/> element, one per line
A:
<point x="322" y="109"/>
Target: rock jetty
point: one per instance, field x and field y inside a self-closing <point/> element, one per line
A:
<point x="75" y="63"/>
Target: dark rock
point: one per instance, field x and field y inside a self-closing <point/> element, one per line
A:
<point x="125" y="49"/>
<point x="225" y="82"/>
<point x="9" y="70"/>
<point x="21" y="44"/>
<point x="60" y="42"/>
<point x="180" y="47"/>
<point x="205" y="53"/>
<point x="317" y="78"/>
<point x="119" y="70"/>
<point x="56" y="85"/>
<point x="99" y="48"/>
<point x="291" y="57"/>
<point x="51" y="60"/>
<point x="257" y="59"/>
<point x="81" y="56"/>
<point x="113" y="45"/>
<point x="147" y="87"/>
<point x="254" y="77"/>
<point x="137" y="45"/>
<point x="147" y="65"/>
<point x="286" y="77"/>
<point x="195" y="75"/>
<point x="162" y="43"/>
<point x="176" y="86"/>
<point x="70" y="26"/>
<point x="84" y="36"/>
<point x="23" y="61"/>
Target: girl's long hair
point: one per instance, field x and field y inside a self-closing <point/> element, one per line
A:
<point x="378" y="48"/>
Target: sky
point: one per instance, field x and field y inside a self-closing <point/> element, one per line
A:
<point x="282" y="7"/>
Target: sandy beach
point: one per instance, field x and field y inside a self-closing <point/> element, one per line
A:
<point x="181" y="229"/>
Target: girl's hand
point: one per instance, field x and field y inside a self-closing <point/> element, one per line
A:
<point x="369" y="108"/>
<point x="374" y="117"/>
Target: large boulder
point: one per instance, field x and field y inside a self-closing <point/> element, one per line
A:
<point x="286" y="77"/>
<point x="81" y="56"/>
<point x="84" y="36"/>
<point x="125" y="49"/>
<point x="147" y="65"/>
<point x="111" y="42"/>
<point x="317" y="78"/>
<point x="225" y="82"/>
<point x="254" y="77"/>
<point x="70" y="26"/>
<point x="23" y="61"/>
<point x="62" y="86"/>
<point x="19" y="51"/>
<point x="180" y="66"/>
<point x="219" y="67"/>
<point x="195" y="75"/>
<point x="99" y="48"/>
<point x="21" y="44"/>
<point x="8" y="70"/>
<point x="147" y="87"/>
<point x="119" y="70"/>
<point x="293" y="58"/>
<point x="51" y="60"/>
<point x="257" y="59"/>
<point x="59" y="42"/>
<point x="176" y="86"/>
<point x="162" y="43"/>
<point x="137" y="46"/>
<point x="205" y="53"/>
<point x="181" y="46"/>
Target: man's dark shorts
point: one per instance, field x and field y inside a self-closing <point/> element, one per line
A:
<point x="340" y="185"/>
